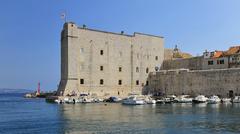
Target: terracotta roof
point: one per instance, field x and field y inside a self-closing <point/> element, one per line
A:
<point x="218" y="54"/>
<point x="232" y="50"/>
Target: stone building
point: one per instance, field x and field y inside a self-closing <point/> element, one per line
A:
<point x="105" y="63"/>
<point x="216" y="72"/>
<point x="209" y="60"/>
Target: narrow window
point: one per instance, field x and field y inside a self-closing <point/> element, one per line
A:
<point x="119" y="82"/>
<point x="81" y="50"/>
<point x="137" y="69"/>
<point x="221" y="61"/>
<point x="101" y="52"/>
<point x="120" y="69"/>
<point x="101" y="68"/>
<point x="146" y="83"/>
<point x="156" y="57"/>
<point x="101" y="82"/>
<point x="137" y="82"/>
<point x="81" y="81"/>
<point x="210" y="62"/>
<point x="147" y="70"/>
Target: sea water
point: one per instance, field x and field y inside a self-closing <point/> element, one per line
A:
<point x="20" y="115"/>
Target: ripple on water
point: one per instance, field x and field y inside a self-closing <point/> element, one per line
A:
<point x="19" y="115"/>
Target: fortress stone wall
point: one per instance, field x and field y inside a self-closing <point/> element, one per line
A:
<point x="104" y="63"/>
<point x="207" y="82"/>
<point x="194" y="63"/>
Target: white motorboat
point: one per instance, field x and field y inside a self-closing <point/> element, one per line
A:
<point x="133" y="100"/>
<point x="67" y="100"/>
<point x="113" y="99"/>
<point x="200" y="99"/>
<point x="160" y="101"/>
<point x="84" y="98"/>
<point x="97" y="100"/>
<point x="236" y="99"/>
<point x="150" y="100"/>
<point x="169" y="99"/>
<point x="226" y="100"/>
<point x="213" y="100"/>
<point x="183" y="99"/>
<point x="59" y="101"/>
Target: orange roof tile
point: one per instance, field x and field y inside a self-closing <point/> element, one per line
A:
<point x="218" y="54"/>
<point x="232" y="50"/>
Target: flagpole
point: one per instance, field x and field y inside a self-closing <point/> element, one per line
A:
<point x="63" y="16"/>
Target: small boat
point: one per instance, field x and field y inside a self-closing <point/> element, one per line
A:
<point x="29" y="95"/>
<point x="200" y="99"/>
<point x="68" y="100"/>
<point x="213" y="100"/>
<point x="183" y="99"/>
<point x="59" y="101"/>
<point x="160" y="101"/>
<point x="226" y="100"/>
<point x="113" y="99"/>
<point x="84" y="98"/>
<point x="150" y="100"/>
<point x="97" y="100"/>
<point x="169" y="99"/>
<point x="133" y="100"/>
<point x="236" y="99"/>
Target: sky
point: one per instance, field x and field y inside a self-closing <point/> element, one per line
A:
<point x="30" y="30"/>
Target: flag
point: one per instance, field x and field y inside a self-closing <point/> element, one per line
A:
<point x="63" y="16"/>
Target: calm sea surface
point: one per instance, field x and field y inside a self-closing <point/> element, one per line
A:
<point x="32" y="116"/>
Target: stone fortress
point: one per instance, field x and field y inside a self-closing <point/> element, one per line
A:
<point x="103" y="63"/>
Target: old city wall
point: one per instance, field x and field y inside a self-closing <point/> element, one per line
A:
<point x="207" y="82"/>
<point x="194" y="63"/>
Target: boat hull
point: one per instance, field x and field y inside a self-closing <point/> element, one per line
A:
<point x="198" y="101"/>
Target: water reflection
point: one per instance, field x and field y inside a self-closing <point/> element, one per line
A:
<point x="173" y="118"/>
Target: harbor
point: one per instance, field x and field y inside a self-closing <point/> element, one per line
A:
<point x="120" y="67"/>
<point x="136" y="99"/>
<point x="37" y="116"/>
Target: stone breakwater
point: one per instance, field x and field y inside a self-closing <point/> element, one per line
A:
<point x="222" y="82"/>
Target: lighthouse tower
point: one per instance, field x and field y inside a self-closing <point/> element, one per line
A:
<point x="38" y="89"/>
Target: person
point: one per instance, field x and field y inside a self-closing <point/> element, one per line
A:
<point x="73" y="101"/>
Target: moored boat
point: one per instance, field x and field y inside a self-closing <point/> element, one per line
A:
<point x="183" y="99"/>
<point x="160" y="101"/>
<point x="150" y="100"/>
<point x="236" y="99"/>
<point x="213" y="100"/>
<point x="226" y="100"/>
<point x="169" y="99"/>
<point x="133" y="100"/>
<point x="113" y="99"/>
<point x="200" y="99"/>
